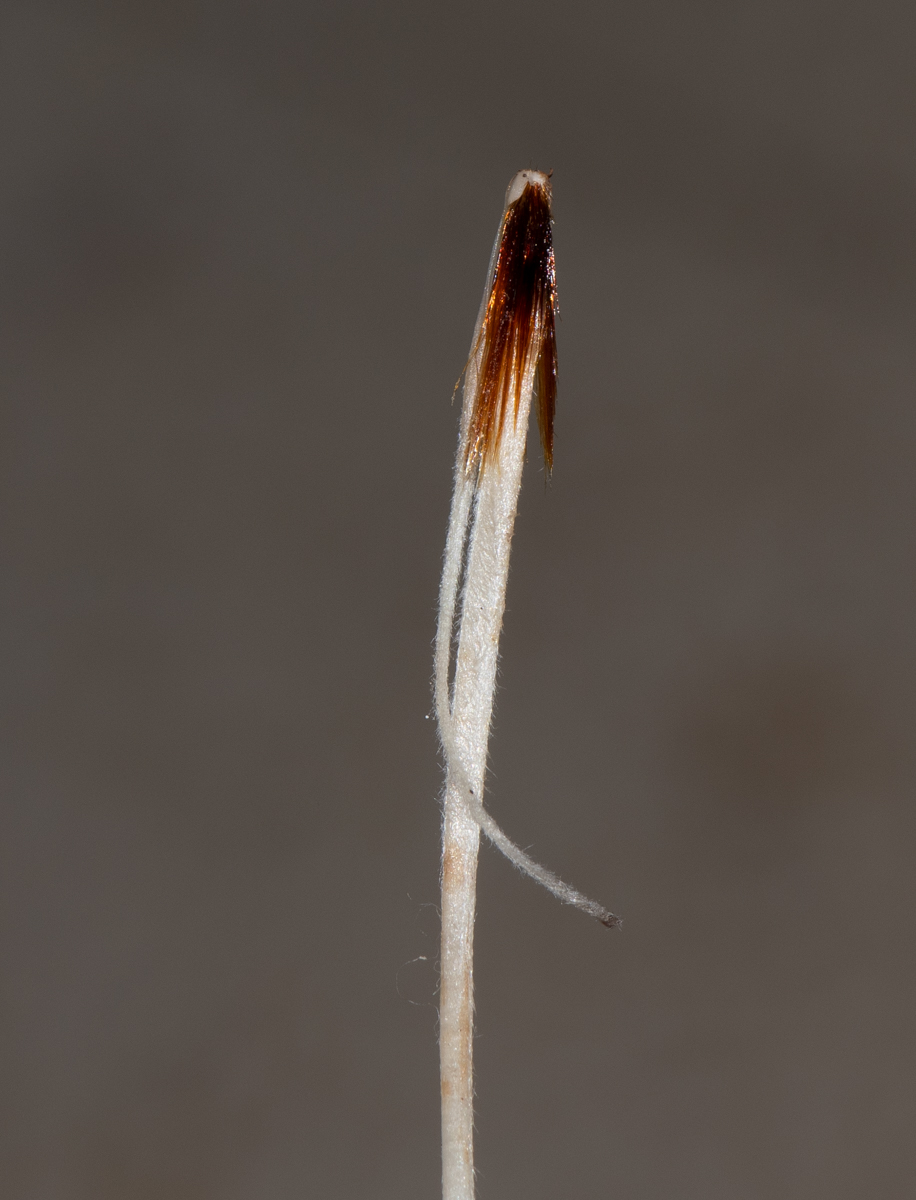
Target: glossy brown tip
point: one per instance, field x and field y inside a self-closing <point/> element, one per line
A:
<point x="518" y="327"/>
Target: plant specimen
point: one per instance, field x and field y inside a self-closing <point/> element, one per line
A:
<point x="513" y="357"/>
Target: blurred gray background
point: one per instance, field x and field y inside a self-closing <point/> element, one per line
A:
<point x="243" y="247"/>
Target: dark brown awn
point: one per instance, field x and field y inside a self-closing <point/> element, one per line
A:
<point x="518" y="328"/>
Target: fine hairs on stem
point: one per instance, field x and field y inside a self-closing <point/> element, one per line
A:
<point x="513" y="355"/>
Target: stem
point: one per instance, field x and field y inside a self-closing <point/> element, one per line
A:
<point x="465" y="734"/>
<point x="482" y="519"/>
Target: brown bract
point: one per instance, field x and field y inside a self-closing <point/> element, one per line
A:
<point x="518" y="329"/>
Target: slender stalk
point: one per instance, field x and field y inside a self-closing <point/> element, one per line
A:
<point x="466" y="753"/>
<point x="512" y="347"/>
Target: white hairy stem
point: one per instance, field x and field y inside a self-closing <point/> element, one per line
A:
<point x="465" y="726"/>
<point x="473" y="590"/>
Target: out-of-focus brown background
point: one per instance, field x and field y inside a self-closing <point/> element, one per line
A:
<point x="243" y="249"/>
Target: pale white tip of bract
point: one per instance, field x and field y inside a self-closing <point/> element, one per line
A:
<point x="521" y="181"/>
